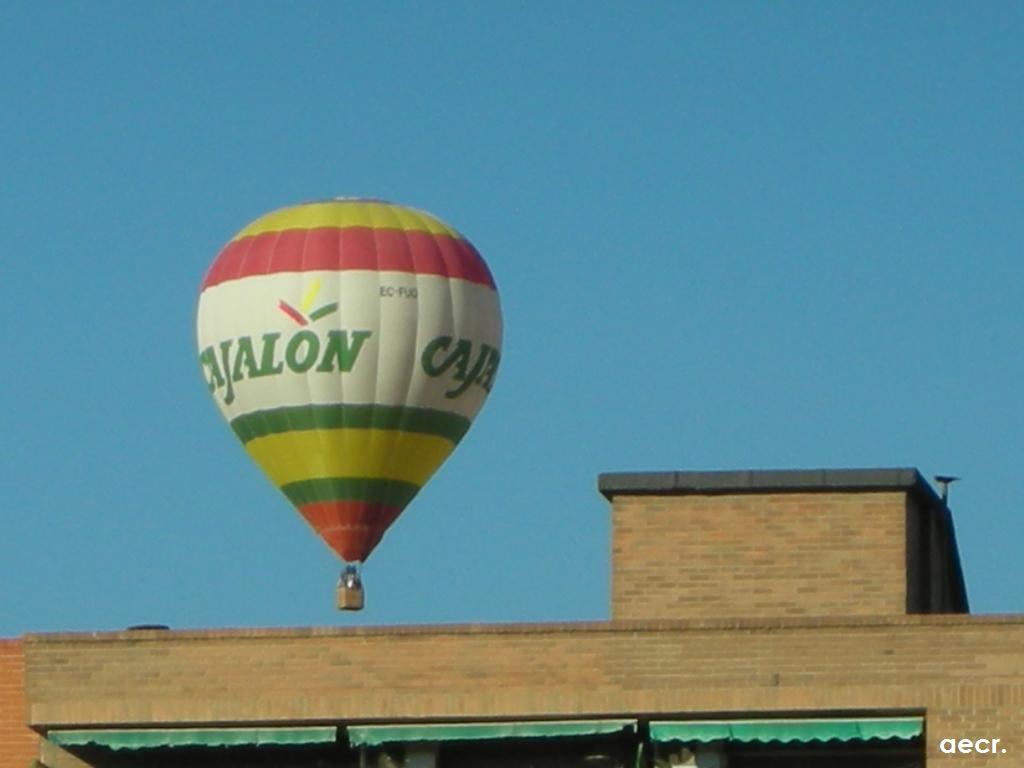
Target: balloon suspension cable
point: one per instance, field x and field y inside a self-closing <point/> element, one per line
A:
<point x="350" y="589"/>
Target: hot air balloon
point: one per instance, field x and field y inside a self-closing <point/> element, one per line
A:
<point x="349" y="344"/>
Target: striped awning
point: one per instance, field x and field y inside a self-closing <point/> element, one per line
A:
<point x="797" y="730"/>
<point x="373" y="735"/>
<point x="152" y="738"/>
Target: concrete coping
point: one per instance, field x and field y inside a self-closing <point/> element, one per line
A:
<point x="554" y="628"/>
<point x="907" y="479"/>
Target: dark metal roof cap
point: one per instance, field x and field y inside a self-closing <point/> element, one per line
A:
<point x="908" y="479"/>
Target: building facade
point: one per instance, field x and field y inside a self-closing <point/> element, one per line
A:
<point x="758" y="620"/>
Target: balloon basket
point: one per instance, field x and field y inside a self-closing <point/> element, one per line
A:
<point x="350" y="599"/>
<point x="350" y="590"/>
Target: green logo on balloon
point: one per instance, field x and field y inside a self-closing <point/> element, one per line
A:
<point x="439" y="356"/>
<point x="337" y="352"/>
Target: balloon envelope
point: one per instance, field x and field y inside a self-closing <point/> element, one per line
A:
<point x="349" y="344"/>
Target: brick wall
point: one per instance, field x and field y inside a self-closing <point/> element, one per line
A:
<point x="759" y="554"/>
<point x="965" y="673"/>
<point x="18" y="745"/>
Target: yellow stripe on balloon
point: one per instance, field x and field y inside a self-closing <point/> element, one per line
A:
<point x="347" y="213"/>
<point x="310" y="297"/>
<point x="384" y="454"/>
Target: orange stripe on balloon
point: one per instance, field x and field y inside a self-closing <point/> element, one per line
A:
<point x="350" y="528"/>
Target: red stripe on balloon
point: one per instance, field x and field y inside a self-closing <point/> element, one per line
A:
<point x="333" y="248"/>
<point x="350" y="528"/>
<point x="293" y="313"/>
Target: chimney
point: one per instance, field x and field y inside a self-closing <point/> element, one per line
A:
<point x="780" y="543"/>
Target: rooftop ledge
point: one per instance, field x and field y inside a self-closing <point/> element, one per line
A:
<point x="907" y="479"/>
<point x="630" y="626"/>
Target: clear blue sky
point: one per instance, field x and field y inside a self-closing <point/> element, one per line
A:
<point x="726" y="235"/>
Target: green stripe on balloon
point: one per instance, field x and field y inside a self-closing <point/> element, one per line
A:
<point x="426" y="421"/>
<point x="324" y="311"/>
<point x="393" y="493"/>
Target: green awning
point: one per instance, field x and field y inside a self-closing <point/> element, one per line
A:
<point x="374" y="735"/>
<point x="791" y="730"/>
<point x="150" y="738"/>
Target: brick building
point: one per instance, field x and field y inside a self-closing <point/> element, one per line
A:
<point x="758" y="620"/>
